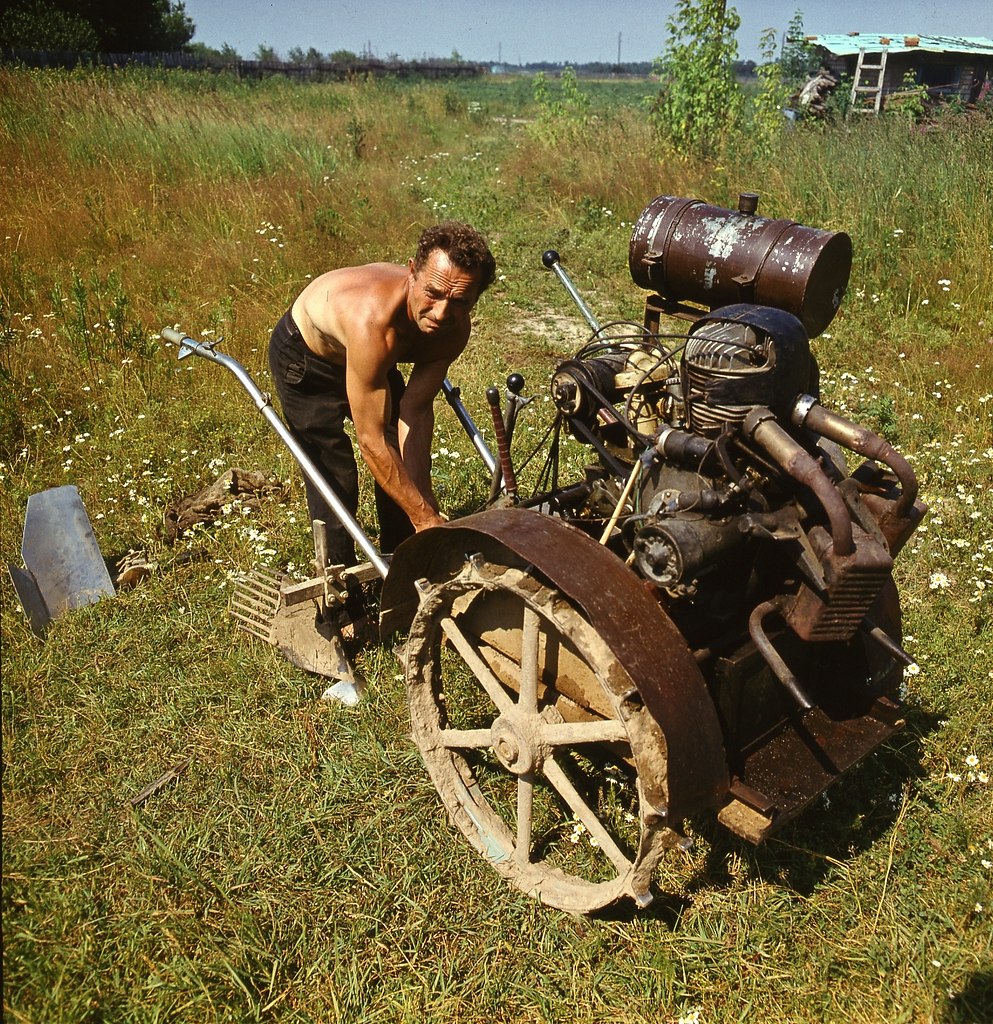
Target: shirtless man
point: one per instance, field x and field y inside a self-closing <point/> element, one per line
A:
<point x="334" y="356"/>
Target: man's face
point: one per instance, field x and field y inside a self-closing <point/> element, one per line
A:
<point x="441" y="295"/>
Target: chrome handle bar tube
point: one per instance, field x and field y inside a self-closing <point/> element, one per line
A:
<point x="452" y="396"/>
<point x="550" y="259"/>
<point x="190" y="347"/>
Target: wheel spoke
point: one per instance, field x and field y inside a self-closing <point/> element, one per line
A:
<point x="462" y="738"/>
<point x="489" y="682"/>
<point x="602" y="730"/>
<point x="529" y="661"/>
<point x="525" y="805"/>
<point x="558" y="778"/>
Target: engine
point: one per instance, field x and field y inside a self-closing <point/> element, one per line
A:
<point x="720" y="478"/>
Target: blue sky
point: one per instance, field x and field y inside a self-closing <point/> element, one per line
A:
<point x="554" y="30"/>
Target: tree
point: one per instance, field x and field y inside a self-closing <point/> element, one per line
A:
<point x="36" y="25"/>
<point x="798" y="59"/>
<point x="311" y="57"/>
<point x="768" y="118"/>
<point x="700" y="102"/>
<point x="114" y="26"/>
<point x="227" y="54"/>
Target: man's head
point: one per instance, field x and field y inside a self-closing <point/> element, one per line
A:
<point x="452" y="267"/>
<point x="463" y="245"/>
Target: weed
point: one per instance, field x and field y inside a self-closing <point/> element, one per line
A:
<point x="355" y="132"/>
<point x="563" y="111"/>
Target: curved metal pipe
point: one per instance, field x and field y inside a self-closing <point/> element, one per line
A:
<point x="861" y="440"/>
<point x="760" y="424"/>
<point x="772" y="657"/>
<point x="263" y="402"/>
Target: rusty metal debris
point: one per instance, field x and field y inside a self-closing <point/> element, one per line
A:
<point x="705" y="620"/>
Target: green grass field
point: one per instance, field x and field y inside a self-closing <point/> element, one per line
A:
<point x="302" y="868"/>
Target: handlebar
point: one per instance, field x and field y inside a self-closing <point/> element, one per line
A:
<point x="190" y="346"/>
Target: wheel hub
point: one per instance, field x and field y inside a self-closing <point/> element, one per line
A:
<point x="516" y="741"/>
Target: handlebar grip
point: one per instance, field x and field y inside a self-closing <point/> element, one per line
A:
<point x="171" y="334"/>
<point x="503" y="446"/>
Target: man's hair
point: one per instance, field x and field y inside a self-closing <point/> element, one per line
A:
<point x="463" y="245"/>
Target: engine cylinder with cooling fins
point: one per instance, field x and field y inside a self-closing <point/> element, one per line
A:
<point x="740" y="357"/>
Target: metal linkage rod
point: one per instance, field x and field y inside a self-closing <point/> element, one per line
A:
<point x="452" y="394"/>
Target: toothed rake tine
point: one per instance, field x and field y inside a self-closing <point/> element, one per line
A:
<point x="261" y="579"/>
<point x="256" y="627"/>
<point x="287" y="615"/>
<point x="254" y="603"/>
<point x="258" y="592"/>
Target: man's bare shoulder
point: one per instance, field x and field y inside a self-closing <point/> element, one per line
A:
<point x="347" y="279"/>
<point x="338" y="304"/>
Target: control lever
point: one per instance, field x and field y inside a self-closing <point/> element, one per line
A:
<point x="550" y="258"/>
<point x="503" y="445"/>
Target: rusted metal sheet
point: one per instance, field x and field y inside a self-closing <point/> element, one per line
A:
<point x="792" y="768"/>
<point x="620" y="609"/>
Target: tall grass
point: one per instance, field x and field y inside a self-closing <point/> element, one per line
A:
<point x="301" y="869"/>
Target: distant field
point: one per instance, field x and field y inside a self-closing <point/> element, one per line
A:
<point x="301" y="869"/>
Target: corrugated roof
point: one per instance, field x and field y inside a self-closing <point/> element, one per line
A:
<point x="901" y="42"/>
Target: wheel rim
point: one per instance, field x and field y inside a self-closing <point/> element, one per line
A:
<point x="534" y="737"/>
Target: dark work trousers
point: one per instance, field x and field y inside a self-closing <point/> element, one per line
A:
<point x="315" y="405"/>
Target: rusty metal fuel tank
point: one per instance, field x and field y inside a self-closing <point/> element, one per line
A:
<point x="687" y="250"/>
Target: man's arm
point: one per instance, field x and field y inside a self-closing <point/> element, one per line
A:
<point x="369" y="398"/>
<point x="416" y="427"/>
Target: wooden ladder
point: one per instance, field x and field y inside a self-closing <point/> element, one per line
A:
<point x="864" y="86"/>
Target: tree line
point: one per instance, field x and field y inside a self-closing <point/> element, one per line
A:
<point x="119" y="27"/>
<point x="108" y="26"/>
<point x="698" y="107"/>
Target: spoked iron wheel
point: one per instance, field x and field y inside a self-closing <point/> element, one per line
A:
<point x="535" y="738"/>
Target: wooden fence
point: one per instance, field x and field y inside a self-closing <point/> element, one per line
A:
<point x="322" y="71"/>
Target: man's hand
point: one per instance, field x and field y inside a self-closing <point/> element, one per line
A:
<point x="438" y="519"/>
